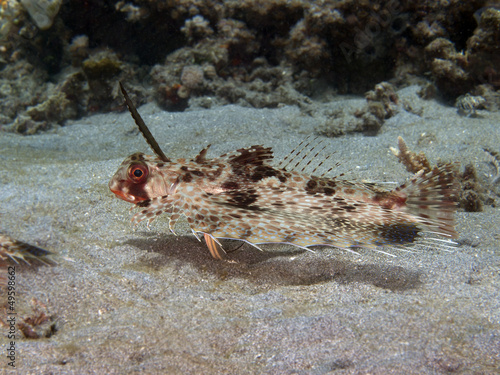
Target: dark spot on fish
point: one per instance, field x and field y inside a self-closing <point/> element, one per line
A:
<point x="311" y="184"/>
<point x="337" y="210"/>
<point x="137" y="157"/>
<point x="328" y="191"/>
<point x="144" y="203"/>
<point x="255" y="155"/>
<point x="198" y="173"/>
<point x="160" y="165"/>
<point x="187" y="177"/>
<point x="263" y="171"/>
<point x="218" y="171"/>
<point x="230" y="185"/>
<point x="348" y="208"/>
<point x="311" y="187"/>
<point x="398" y="233"/>
<point x="243" y="198"/>
<point x="339" y="223"/>
<point x="184" y="168"/>
<point x="246" y="234"/>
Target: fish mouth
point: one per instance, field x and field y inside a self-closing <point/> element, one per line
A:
<point x="122" y="195"/>
<point x="121" y="190"/>
<point x="126" y="197"/>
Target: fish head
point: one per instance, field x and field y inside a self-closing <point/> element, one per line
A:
<point x="139" y="178"/>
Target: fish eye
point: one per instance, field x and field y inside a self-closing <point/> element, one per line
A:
<point x="138" y="173"/>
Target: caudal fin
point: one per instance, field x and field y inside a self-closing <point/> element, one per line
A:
<point x="432" y="199"/>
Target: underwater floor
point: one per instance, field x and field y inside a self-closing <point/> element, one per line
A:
<point x="122" y="301"/>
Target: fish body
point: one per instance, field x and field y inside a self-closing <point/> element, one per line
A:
<point x="17" y="250"/>
<point x="242" y="196"/>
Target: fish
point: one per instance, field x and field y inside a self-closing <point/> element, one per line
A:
<point x="17" y="250"/>
<point x="242" y="196"/>
<point x="14" y="250"/>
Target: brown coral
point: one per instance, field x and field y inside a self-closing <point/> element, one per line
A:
<point x="484" y="48"/>
<point x="412" y="161"/>
<point x="472" y="194"/>
<point x="347" y="46"/>
<point x="448" y="67"/>
<point x="197" y="28"/>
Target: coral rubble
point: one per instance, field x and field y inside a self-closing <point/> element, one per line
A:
<point x="257" y="53"/>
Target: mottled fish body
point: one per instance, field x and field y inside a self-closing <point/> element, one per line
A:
<point x="242" y="196"/>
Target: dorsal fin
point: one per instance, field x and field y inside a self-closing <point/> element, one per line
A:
<point x="254" y="155"/>
<point x="295" y="152"/>
<point x="142" y="126"/>
<point x="305" y="158"/>
<point x="201" y="157"/>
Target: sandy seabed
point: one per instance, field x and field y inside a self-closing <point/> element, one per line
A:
<point x="145" y="301"/>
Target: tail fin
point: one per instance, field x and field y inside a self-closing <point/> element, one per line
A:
<point x="432" y="199"/>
